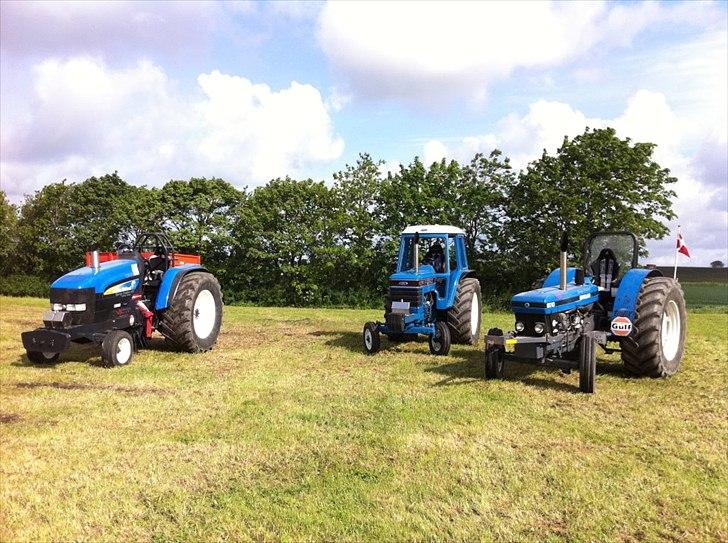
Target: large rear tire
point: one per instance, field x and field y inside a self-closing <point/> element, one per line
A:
<point x="463" y="318"/>
<point x="656" y="345"/>
<point x="194" y="317"/>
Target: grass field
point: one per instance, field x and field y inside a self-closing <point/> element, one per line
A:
<point x="286" y="431"/>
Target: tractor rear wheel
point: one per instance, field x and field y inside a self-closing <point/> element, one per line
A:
<point x="192" y="321"/>
<point x="464" y="316"/>
<point x="656" y="345"/>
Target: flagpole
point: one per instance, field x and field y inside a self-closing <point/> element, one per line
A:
<point x="674" y="271"/>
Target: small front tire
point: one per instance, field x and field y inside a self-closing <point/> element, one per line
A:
<point x="37" y="357"/>
<point x="494" y="357"/>
<point x="371" y="339"/>
<point x="117" y="349"/>
<point x="440" y="340"/>
<point x="587" y="364"/>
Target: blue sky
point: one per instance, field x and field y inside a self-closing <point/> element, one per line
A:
<point x="253" y="90"/>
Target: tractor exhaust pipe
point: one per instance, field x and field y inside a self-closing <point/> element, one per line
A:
<point x="562" y="260"/>
<point x="417" y="253"/>
<point x="95" y="259"/>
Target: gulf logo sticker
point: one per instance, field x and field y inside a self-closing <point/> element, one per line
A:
<point x="621" y="326"/>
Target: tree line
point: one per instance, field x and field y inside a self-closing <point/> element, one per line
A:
<point x="305" y="242"/>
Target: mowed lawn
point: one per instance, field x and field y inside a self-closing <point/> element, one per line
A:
<point x="287" y="431"/>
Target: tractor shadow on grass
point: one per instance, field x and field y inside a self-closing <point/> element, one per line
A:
<point x="353" y="342"/>
<point x="89" y="353"/>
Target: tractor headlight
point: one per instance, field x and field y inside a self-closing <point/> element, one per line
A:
<point x="57" y="307"/>
<point x="520" y="327"/>
<point x="76" y="307"/>
<point x="539" y="327"/>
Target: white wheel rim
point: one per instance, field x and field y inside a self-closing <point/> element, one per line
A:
<point x="204" y="314"/>
<point x="368" y="339"/>
<point x="474" y="315"/>
<point x="123" y="351"/>
<point x="48" y="356"/>
<point x="670" y="330"/>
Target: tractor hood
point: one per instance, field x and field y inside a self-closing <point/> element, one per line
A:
<point x="115" y="276"/>
<point x="547" y="300"/>
<point x="425" y="276"/>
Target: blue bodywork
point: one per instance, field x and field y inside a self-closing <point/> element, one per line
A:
<point x="109" y="274"/>
<point x="625" y="302"/>
<point x="550" y="299"/>
<point x="170" y="281"/>
<point x="440" y="288"/>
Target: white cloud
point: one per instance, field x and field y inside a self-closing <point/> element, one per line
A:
<point x="701" y="188"/>
<point x="434" y="51"/>
<point x="84" y="118"/>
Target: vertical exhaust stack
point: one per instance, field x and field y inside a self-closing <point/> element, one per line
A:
<point x="562" y="260"/>
<point x="417" y="253"/>
<point x="95" y="260"/>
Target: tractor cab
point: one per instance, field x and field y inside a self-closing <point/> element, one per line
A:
<point x="608" y="256"/>
<point x="431" y="254"/>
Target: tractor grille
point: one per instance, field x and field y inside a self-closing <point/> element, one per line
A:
<point x="86" y="296"/>
<point x="530" y="321"/>
<point x="413" y="295"/>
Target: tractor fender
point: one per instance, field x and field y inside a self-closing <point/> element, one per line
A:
<point x="447" y="302"/>
<point x="170" y="282"/>
<point x="625" y="302"/>
<point x="552" y="279"/>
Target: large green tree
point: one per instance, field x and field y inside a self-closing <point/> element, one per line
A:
<point x="593" y="182"/>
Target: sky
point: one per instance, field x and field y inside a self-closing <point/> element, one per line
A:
<point x="250" y="91"/>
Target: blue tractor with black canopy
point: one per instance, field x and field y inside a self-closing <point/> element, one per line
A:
<point x="432" y="292"/>
<point x="120" y="297"/>
<point x="609" y="302"/>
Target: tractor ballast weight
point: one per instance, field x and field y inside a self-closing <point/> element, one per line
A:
<point x="608" y="300"/>
<point x="432" y="292"/>
<point x="119" y="298"/>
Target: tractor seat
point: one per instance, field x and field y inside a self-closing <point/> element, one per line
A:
<point x="605" y="269"/>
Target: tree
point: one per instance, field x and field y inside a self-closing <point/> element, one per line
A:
<point x="717" y="264"/>
<point x="596" y="181"/>
<point x="8" y="234"/>
<point x="282" y="237"/>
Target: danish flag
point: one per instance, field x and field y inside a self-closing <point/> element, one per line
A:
<point x="681" y="247"/>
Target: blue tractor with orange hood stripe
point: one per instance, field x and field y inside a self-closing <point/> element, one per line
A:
<point x="608" y="302"/>
<point x="119" y="298"/>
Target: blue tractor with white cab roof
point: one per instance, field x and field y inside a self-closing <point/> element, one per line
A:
<point x="119" y="298"/>
<point x="433" y="292"/>
<point x="608" y="302"/>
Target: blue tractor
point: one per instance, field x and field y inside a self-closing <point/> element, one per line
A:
<point x="608" y="302"/>
<point x="433" y="292"/>
<point x="119" y="298"/>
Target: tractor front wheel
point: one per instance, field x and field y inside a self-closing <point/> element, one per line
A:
<point x="656" y="345"/>
<point x="117" y="349"/>
<point x="37" y="357"/>
<point x="587" y="364"/>
<point x="494" y="357"/>
<point x="193" y="319"/>
<point x="370" y="336"/>
<point x="440" y="340"/>
<point x="463" y="318"/>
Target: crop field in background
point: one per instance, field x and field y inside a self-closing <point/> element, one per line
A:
<point x="288" y="431"/>
<point x="706" y="294"/>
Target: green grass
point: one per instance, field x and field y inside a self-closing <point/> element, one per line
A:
<point x="706" y="294"/>
<point x="286" y="431"/>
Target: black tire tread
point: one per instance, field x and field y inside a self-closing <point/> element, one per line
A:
<point x="177" y="322"/>
<point x="458" y="317"/>
<point x="641" y="351"/>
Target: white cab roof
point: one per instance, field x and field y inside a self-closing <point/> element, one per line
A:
<point x="432" y="229"/>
